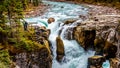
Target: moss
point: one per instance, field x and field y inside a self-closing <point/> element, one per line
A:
<point x="12" y="40"/>
<point x="4" y="59"/>
<point x="1" y="28"/>
<point x="28" y="45"/>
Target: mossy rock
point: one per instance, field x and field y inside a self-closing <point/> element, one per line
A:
<point x="46" y="43"/>
<point x="28" y="45"/>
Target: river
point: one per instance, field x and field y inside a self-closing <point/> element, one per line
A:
<point x="75" y="56"/>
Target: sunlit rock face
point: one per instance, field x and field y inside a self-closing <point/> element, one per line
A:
<point x="114" y="63"/>
<point x="38" y="59"/>
<point x="60" y="49"/>
<point x="107" y="28"/>
<point x="85" y="36"/>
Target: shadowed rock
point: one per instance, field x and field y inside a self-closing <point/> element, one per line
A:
<point x="84" y="36"/>
<point x="99" y="45"/>
<point x="110" y="50"/>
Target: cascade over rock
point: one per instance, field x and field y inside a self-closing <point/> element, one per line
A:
<point x="60" y="48"/>
<point x="86" y="33"/>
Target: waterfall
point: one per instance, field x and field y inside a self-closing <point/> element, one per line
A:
<point x="75" y="55"/>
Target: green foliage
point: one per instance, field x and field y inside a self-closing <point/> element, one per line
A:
<point x="35" y="2"/>
<point x="12" y="35"/>
<point x="12" y="41"/>
<point x="10" y="11"/>
<point x="2" y="65"/>
<point x="1" y="29"/>
<point x="28" y="45"/>
<point x="4" y="59"/>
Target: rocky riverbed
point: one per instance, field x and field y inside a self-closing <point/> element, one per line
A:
<point x="106" y="22"/>
<point x="95" y="28"/>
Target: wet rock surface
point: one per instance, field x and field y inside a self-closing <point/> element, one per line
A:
<point x="60" y="49"/>
<point x="99" y="31"/>
<point x="50" y="20"/>
<point x="95" y="61"/>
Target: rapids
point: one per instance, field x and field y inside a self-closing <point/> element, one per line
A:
<point x="75" y="56"/>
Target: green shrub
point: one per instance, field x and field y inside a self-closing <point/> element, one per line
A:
<point x="12" y="40"/>
<point x="28" y="45"/>
<point x="4" y="59"/>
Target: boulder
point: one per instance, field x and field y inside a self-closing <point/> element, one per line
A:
<point x="95" y="62"/>
<point x="110" y="50"/>
<point x="60" y="49"/>
<point x="85" y="37"/>
<point x="50" y="20"/>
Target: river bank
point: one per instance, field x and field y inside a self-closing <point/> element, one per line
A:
<point x="35" y="11"/>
